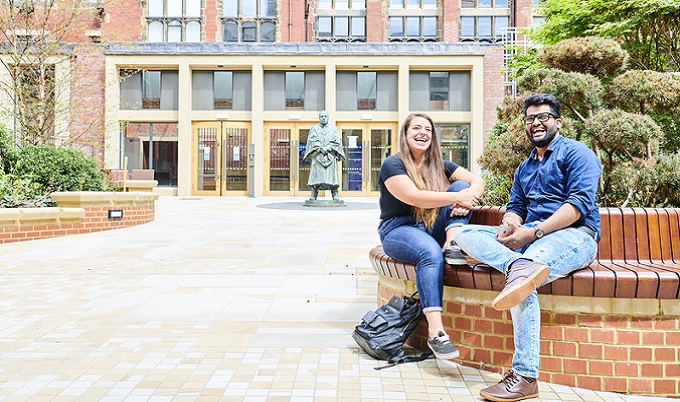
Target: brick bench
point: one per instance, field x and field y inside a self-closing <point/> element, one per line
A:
<point x="612" y="326"/>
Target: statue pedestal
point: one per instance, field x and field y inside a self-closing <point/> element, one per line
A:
<point x="325" y="203"/>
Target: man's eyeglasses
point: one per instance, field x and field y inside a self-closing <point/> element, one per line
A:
<point x="542" y="117"/>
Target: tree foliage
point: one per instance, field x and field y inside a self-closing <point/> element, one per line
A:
<point x="646" y="29"/>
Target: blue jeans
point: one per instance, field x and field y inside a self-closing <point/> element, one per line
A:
<point x="408" y="241"/>
<point x="563" y="251"/>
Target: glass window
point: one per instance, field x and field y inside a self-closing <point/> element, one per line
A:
<point x="249" y="32"/>
<point x="230" y="8"/>
<point x="412" y="3"/>
<point x="325" y="29"/>
<point x="537" y="20"/>
<point x="174" y="31"/>
<point x="429" y="27"/>
<point x="366" y="90"/>
<point x="358" y="4"/>
<point x="193" y="32"/>
<point x="268" y="8"/>
<point x="248" y="8"/>
<point x="341" y="4"/>
<point x="501" y="27"/>
<point x="162" y="138"/>
<point x="483" y="3"/>
<point x="467" y="4"/>
<point x="341" y="27"/>
<point x="174" y="8"/>
<point x="413" y="26"/>
<point x="396" y="3"/>
<point x="484" y="27"/>
<point x="430" y="4"/>
<point x="439" y="90"/>
<point x="396" y="27"/>
<point x="151" y="90"/>
<point x="223" y="89"/>
<point x="193" y="8"/>
<point x="156" y="8"/>
<point x="455" y="142"/>
<point x="230" y="32"/>
<point x="325" y="4"/>
<point x="156" y="31"/>
<point x="358" y="27"/>
<point x="267" y="32"/>
<point x="467" y="26"/>
<point x="295" y="89"/>
<point x="501" y="4"/>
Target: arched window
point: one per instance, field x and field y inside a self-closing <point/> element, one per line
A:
<point x="174" y="31"/>
<point x="267" y="32"/>
<point x="156" y="31"/>
<point x="249" y="20"/>
<point x="249" y="32"/>
<point x="193" y="32"/>
<point x="230" y="31"/>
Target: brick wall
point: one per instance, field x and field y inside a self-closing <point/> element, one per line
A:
<point x="628" y="353"/>
<point x="20" y="224"/>
<point x="493" y="84"/>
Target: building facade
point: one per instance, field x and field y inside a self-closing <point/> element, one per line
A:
<point x="217" y="96"/>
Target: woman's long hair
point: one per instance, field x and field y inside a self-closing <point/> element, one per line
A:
<point x="431" y="175"/>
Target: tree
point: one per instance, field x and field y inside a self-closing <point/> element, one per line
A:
<point x="610" y="111"/>
<point x="647" y="29"/>
<point x="37" y="50"/>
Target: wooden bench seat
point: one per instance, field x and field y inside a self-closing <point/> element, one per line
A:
<point x="638" y="257"/>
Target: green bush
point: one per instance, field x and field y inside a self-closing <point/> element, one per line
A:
<point x="58" y="169"/>
<point x="21" y="193"/>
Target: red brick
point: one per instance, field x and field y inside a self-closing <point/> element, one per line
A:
<point x="551" y="363"/>
<point x="564" y="349"/>
<point x="641" y="354"/>
<point x="576" y="334"/>
<point x="494" y="342"/>
<point x="464" y="324"/>
<point x="483" y="326"/>
<point x="502" y="328"/>
<point x="602" y="336"/>
<point x="575" y="366"/>
<point x="615" y="384"/>
<point x="653" y="338"/>
<point x="651" y="370"/>
<point x="672" y="370"/>
<point x="587" y="351"/>
<point x="616" y="321"/>
<point x="473" y="311"/>
<point x="666" y="387"/>
<point x="564" y="379"/>
<point x="673" y="338"/>
<point x="600" y="368"/>
<point x="589" y="382"/>
<point x="502" y="358"/>
<point x="641" y="323"/>
<point x="628" y="337"/>
<point x="625" y="369"/>
<point x="666" y="323"/>
<point x="565" y="319"/>
<point x="638" y="385"/>
<point x="554" y="333"/>
<point x="481" y="355"/>
<point x="589" y="320"/>
<point x="492" y="313"/>
<point x="615" y="353"/>
<point x="665" y="354"/>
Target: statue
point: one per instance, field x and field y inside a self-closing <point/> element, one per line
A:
<point x="324" y="149"/>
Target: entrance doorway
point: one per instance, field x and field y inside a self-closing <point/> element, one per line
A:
<point x="285" y="171"/>
<point x="220" y="158"/>
<point x="366" y="146"/>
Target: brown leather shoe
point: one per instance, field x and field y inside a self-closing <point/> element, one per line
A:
<point x="523" y="277"/>
<point x="511" y="388"/>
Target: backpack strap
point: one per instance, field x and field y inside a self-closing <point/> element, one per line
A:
<point x="405" y="359"/>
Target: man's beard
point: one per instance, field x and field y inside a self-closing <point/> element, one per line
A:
<point x="550" y="134"/>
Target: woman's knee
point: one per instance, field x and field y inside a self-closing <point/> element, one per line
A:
<point x="458" y="185"/>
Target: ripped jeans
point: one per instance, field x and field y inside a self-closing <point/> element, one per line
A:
<point x="564" y="251"/>
<point x="409" y="241"/>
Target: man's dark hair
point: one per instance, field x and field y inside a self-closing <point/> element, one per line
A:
<point x="544" y="99"/>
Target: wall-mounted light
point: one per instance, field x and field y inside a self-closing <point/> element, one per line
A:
<point x="115" y="214"/>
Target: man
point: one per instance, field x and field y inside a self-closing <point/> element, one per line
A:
<point x="324" y="148"/>
<point x="550" y="228"/>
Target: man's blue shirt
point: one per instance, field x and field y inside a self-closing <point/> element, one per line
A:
<point x="568" y="173"/>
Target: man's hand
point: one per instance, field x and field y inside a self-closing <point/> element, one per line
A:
<point x="518" y="239"/>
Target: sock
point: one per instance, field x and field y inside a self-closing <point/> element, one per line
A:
<point x="521" y="261"/>
<point x="529" y="379"/>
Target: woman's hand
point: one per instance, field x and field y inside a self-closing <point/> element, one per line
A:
<point x="458" y="211"/>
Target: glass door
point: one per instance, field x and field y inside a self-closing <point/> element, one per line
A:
<point x="285" y="171"/>
<point x="366" y="145"/>
<point x="220" y="158"/>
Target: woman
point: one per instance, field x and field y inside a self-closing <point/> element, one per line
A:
<point x="414" y="186"/>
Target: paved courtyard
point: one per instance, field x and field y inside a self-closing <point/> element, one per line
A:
<point x="233" y="298"/>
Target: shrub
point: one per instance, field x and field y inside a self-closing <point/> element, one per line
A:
<point x="58" y="169"/>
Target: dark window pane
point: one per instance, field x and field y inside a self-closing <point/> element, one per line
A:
<point x="467" y="27"/>
<point x="223" y="89"/>
<point x="295" y="90"/>
<point x="341" y="27"/>
<point x="230" y="32"/>
<point x="484" y="27"/>
<point x="151" y="90"/>
<point x="366" y="90"/>
<point x="267" y="32"/>
<point x="396" y="27"/>
<point x="467" y="3"/>
<point x="439" y="90"/>
<point x="249" y="32"/>
<point x="325" y="27"/>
